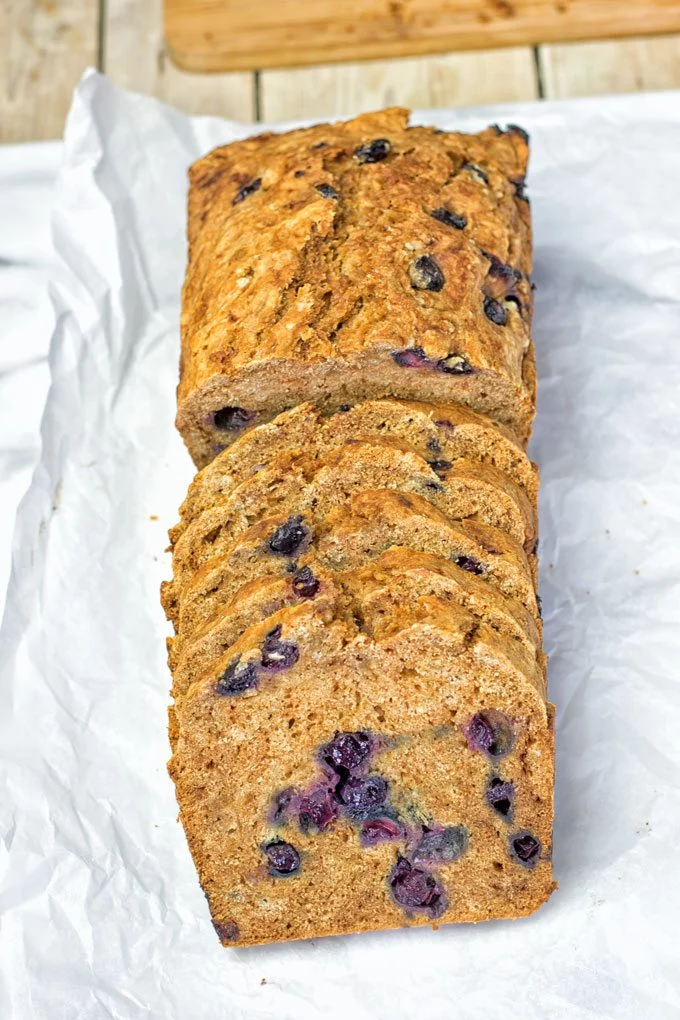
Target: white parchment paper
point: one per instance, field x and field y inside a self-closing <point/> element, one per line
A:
<point x="27" y="174"/>
<point x="102" y="916"/>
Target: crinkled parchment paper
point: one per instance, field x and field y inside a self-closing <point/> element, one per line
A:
<point x="102" y="913"/>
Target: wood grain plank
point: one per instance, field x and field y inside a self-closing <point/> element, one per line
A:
<point x="135" y="57"/>
<point x="595" y="68"/>
<point x="45" y="45"/>
<point x="231" y="35"/>
<point x="455" y="80"/>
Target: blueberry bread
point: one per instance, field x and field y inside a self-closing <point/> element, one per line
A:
<point x="360" y="732"/>
<point x="351" y="261"/>
<point x="344" y="768"/>
<point x="440" y="433"/>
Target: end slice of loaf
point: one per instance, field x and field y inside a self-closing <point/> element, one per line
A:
<point x="339" y="776"/>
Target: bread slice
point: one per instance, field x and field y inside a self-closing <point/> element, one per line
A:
<point x="349" y="537"/>
<point x="400" y="574"/>
<point x="303" y="485"/>
<point x="347" y="771"/>
<point x="440" y="433"/>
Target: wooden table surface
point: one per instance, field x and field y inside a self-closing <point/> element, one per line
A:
<point x="46" y="44"/>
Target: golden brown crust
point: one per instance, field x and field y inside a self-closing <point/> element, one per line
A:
<point x="291" y="295"/>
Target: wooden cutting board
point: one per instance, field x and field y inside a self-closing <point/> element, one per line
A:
<point x="229" y="35"/>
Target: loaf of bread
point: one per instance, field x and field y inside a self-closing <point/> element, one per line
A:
<point x="351" y="261"/>
<point x="360" y="729"/>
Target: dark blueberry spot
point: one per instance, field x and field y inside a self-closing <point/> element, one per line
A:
<point x="425" y="274"/>
<point x="318" y="810"/>
<point x="490" y="732"/>
<point x="289" y="537"/>
<point x="373" y="151"/>
<point x="447" y="425"/>
<point x="362" y="794"/>
<point x="515" y="129"/>
<point x="237" y="679"/>
<point x="451" y="219"/>
<point x="479" y="733"/>
<point x="416" y="889"/>
<point x="476" y="171"/>
<point x="412" y="357"/>
<point x="454" y="364"/>
<point x="441" y="847"/>
<point x="248" y="189"/>
<point x="282" y="857"/>
<point x="345" y="407"/>
<point x="327" y="191"/>
<point x="494" y="310"/>
<point x="525" y="848"/>
<point x="304" y="584"/>
<point x="232" y="419"/>
<point x="434" y="487"/>
<point x="276" y="654"/>
<point x="380" y="830"/>
<point x="501" y="285"/>
<point x="539" y="603"/>
<point x="440" y="466"/>
<point x="519" y="184"/>
<point x="283" y="806"/>
<point x="500" y="796"/>
<point x="227" y="931"/>
<point x="347" y="752"/>
<point x="501" y="270"/>
<point x="299" y="173"/>
<point x="433" y="445"/>
<point x="319" y="145"/>
<point x="510" y="129"/>
<point x="468" y="563"/>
